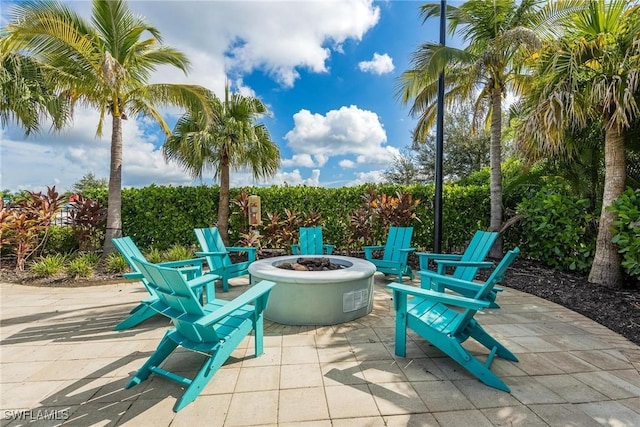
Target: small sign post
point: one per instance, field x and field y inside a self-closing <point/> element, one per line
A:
<point x="255" y="216"/>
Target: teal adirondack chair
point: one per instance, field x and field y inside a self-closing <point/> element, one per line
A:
<point x="214" y="329"/>
<point x="190" y="268"/>
<point x="468" y="288"/>
<point x="466" y="264"/>
<point x="217" y="256"/>
<point x="447" y="320"/>
<point x="311" y="243"/>
<point x="396" y="253"/>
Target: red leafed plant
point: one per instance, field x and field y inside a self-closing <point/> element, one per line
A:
<point x="88" y="218"/>
<point x="24" y="226"/>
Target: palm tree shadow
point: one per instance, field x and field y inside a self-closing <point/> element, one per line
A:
<point x="96" y="325"/>
<point x="97" y="399"/>
<point x="101" y="397"/>
<point x="379" y="391"/>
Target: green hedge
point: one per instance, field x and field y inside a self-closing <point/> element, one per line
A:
<point x="160" y="217"/>
<point x="557" y="228"/>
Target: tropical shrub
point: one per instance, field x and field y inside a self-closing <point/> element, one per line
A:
<point x="60" y="240"/>
<point x="116" y="264"/>
<point x="48" y="266"/>
<point x="626" y="230"/>
<point x="177" y="253"/>
<point x="154" y="256"/>
<point x="558" y="229"/>
<point x="24" y="226"/>
<point x="88" y="219"/>
<point x="81" y="266"/>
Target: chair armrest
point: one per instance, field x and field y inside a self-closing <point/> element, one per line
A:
<point x="202" y="280"/>
<point x="425" y="257"/>
<point x="133" y="276"/>
<point x="253" y="293"/>
<point x="443" y="264"/>
<point x="373" y="248"/>
<point x="328" y="248"/>
<point x="251" y="251"/>
<point x="458" y="301"/>
<point x="241" y="248"/>
<point x="184" y="262"/>
<point x="206" y="254"/>
<point x="368" y="250"/>
<point x="407" y="250"/>
<point x="450" y="282"/>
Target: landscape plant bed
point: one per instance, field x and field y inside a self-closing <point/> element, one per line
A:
<point x="617" y="309"/>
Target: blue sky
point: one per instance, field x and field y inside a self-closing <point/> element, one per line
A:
<point x="328" y="71"/>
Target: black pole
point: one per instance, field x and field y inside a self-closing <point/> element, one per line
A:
<point x="437" y="203"/>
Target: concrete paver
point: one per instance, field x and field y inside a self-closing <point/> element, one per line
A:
<point x="62" y="364"/>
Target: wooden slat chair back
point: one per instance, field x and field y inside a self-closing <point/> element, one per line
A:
<point x="215" y="329"/>
<point x="311" y="243"/>
<point x="447" y="321"/>
<point x="466" y="264"/>
<point x="398" y="238"/>
<point x="469" y="288"/>
<point x="395" y="253"/>
<point x="478" y="249"/>
<point x="129" y="250"/>
<point x="217" y="255"/>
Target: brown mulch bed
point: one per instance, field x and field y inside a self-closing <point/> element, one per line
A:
<point x="617" y="309"/>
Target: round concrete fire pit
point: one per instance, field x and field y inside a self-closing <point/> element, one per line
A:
<point x="316" y="297"/>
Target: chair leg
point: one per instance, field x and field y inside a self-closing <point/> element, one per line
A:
<point x="258" y="329"/>
<point x="137" y="316"/>
<point x="166" y="346"/>
<point x="479" y="334"/>
<point x="200" y="381"/>
<point x="460" y="355"/>
<point x="483" y="373"/>
<point x="225" y="284"/>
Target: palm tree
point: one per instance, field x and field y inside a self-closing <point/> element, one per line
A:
<point x="28" y="94"/>
<point x="106" y="64"/>
<point x="591" y="73"/>
<point x="499" y="36"/>
<point x="230" y="139"/>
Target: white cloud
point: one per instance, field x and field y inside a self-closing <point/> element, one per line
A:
<point x="380" y="64"/>
<point x="42" y="160"/>
<point x="347" y="164"/>
<point x="295" y="178"/>
<point x="365" y="177"/>
<point x="303" y="160"/>
<point x="348" y="130"/>
<point x="235" y="39"/>
<point x="239" y="87"/>
<point x="278" y="38"/>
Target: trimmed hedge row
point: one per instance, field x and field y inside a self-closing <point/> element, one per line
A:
<point x="557" y="228"/>
<point x="161" y="217"/>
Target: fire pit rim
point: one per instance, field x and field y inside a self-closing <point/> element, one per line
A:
<point x="267" y="269"/>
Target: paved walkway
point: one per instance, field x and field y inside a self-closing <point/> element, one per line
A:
<point x="60" y="359"/>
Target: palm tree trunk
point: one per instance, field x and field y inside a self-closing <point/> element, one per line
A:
<point x="605" y="269"/>
<point x="114" y="219"/>
<point x="496" y="172"/>
<point x="223" y="205"/>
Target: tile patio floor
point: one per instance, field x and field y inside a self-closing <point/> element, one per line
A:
<point x="60" y="357"/>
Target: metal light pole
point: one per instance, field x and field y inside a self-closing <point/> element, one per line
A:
<point x="437" y="204"/>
